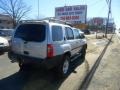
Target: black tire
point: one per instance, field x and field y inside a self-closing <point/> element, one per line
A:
<point x="63" y="69"/>
<point x="22" y="66"/>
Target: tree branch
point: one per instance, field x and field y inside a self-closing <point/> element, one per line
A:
<point x="14" y="8"/>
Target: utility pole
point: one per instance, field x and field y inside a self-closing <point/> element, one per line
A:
<point x="109" y="12"/>
<point x="38" y="9"/>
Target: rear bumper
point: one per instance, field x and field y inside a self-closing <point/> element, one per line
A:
<point x="45" y="63"/>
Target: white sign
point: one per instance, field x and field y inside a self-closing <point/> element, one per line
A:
<point x="72" y="14"/>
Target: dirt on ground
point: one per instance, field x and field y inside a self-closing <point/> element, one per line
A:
<point x="107" y="76"/>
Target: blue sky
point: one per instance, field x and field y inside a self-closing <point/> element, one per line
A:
<point x="96" y="8"/>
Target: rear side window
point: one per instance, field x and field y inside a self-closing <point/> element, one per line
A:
<point x="57" y="34"/>
<point x="31" y="32"/>
<point x="69" y="33"/>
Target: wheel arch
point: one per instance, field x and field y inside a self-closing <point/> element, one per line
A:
<point x="68" y="53"/>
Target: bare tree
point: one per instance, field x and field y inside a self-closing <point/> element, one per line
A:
<point x="16" y="9"/>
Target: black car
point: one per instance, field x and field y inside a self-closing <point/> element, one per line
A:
<point x="86" y="31"/>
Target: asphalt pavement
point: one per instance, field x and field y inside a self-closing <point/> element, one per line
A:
<point x="4" y="61"/>
<point x="13" y="79"/>
<point x="10" y="77"/>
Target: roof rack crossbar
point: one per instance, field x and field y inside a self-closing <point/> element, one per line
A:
<point x="23" y="21"/>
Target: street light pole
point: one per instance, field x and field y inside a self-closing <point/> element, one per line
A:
<point x="109" y="12"/>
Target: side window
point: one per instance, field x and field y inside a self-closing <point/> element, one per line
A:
<point x="77" y="34"/>
<point x="69" y="33"/>
<point x="57" y="34"/>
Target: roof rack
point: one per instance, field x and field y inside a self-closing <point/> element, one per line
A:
<point x="25" y="21"/>
<point x="51" y="19"/>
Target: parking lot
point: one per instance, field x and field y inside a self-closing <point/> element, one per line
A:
<point x="36" y="78"/>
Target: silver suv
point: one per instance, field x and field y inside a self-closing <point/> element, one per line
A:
<point x="48" y="43"/>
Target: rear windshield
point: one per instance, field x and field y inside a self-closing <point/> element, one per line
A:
<point x="31" y="32"/>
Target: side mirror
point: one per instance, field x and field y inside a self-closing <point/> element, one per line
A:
<point x="64" y="38"/>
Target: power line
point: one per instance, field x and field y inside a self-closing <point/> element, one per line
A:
<point x="100" y="4"/>
<point x="94" y="3"/>
<point x="101" y="10"/>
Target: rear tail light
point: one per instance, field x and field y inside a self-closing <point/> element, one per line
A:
<point x="49" y="50"/>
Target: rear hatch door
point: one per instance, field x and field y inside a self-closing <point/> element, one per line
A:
<point x="30" y="40"/>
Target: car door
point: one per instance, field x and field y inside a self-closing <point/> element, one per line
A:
<point x="57" y="39"/>
<point x="30" y="40"/>
<point x="83" y="39"/>
<point x="77" y="40"/>
<point x="70" y="40"/>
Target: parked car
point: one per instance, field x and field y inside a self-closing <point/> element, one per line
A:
<point x="48" y="43"/>
<point x="4" y="45"/>
<point x="6" y="32"/>
<point x="86" y="31"/>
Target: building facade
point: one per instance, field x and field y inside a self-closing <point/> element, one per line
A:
<point x="5" y="22"/>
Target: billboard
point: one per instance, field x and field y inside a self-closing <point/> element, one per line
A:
<point x="73" y="14"/>
<point x="98" y="21"/>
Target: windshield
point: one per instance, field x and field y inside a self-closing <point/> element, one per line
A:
<point x="31" y="32"/>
